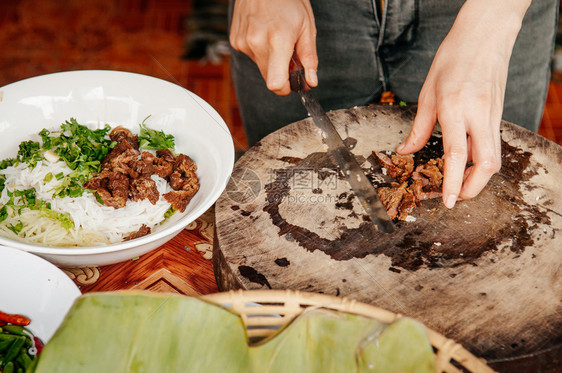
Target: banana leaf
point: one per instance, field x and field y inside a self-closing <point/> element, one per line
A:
<point x="136" y="332"/>
<point x="327" y="341"/>
<point x="128" y="332"/>
<point x="317" y="341"/>
<point x="401" y="347"/>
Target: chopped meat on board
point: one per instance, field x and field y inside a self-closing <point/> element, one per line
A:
<point x="398" y="200"/>
<point x="433" y="171"/>
<point x="407" y="205"/>
<point x="417" y="188"/>
<point x="391" y="198"/>
<point x="415" y="185"/>
<point x="398" y="166"/>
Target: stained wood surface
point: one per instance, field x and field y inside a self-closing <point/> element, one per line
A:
<point x="486" y="273"/>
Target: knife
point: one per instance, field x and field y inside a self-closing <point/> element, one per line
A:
<point x="346" y="161"/>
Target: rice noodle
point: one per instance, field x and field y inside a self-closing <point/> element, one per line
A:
<point x="94" y="224"/>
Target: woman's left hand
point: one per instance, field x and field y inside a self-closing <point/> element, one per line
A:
<point x="464" y="92"/>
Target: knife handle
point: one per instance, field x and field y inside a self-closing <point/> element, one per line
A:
<point x="296" y="75"/>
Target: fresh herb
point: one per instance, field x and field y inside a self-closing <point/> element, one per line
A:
<point x="22" y="199"/>
<point x="48" y="177"/>
<point x="171" y="211"/>
<point x="29" y="152"/>
<point x="46" y="138"/>
<point x="16" y="228"/>
<point x="5" y="163"/>
<point x="82" y="149"/>
<point x="64" y="218"/>
<point x="27" y="196"/>
<point x="3" y="213"/>
<point x="98" y="198"/>
<point x="154" y="140"/>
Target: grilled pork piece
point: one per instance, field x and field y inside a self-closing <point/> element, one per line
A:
<point x="120" y="134"/>
<point x="143" y="231"/>
<point x="144" y="187"/>
<point x="179" y="198"/>
<point x="112" y="187"/>
<point x="414" y="185"/>
<point x="126" y="174"/>
<point x="398" y="166"/>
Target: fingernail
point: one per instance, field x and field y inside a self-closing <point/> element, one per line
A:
<point x="400" y="147"/>
<point x="312" y="77"/>
<point x="450" y="201"/>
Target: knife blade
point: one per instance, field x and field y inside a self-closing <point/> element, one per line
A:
<point x="346" y="161"/>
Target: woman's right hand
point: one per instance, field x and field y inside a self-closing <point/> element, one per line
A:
<point x="268" y="31"/>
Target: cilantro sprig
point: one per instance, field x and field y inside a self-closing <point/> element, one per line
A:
<point x="153" y="139"/>
<point x="30" y="152"/>
<point x="81" y="148"/>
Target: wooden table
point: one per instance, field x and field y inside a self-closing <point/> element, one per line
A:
<point x="183" y="265"/>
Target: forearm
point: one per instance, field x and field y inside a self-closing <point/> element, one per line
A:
<point x="492" y="22"/>
<point x="464" y="92"/>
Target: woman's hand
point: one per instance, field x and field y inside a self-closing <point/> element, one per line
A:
<point x="464" y="92"/>
<point x="268" y="31"/>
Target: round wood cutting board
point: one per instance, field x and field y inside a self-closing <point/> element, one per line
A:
<point x="486" y="273"/>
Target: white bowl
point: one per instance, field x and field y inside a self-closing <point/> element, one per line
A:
<point x="35" y="288"/>
<point x="97" y="97"/>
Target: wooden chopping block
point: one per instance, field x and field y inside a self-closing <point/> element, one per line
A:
<point x="486" y="273"/>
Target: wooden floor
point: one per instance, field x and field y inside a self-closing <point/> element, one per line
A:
<point x="144" y="36"/>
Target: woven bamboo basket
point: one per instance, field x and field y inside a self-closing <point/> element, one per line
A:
<point x="265" y="311"/>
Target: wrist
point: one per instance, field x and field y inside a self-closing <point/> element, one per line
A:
<point x="497" y="21"/>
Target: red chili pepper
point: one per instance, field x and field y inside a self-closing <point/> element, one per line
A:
<point x="14" y="319"/>
<point x="38" y="345"/>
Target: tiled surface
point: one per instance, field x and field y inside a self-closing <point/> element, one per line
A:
<point x="143" y="36"/>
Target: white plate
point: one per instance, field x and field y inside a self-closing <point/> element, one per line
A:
<point x="97" y="97"/>
<point x="35" y="288"/>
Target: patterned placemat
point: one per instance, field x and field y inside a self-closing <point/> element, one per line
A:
<point x="182" y="265"/>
